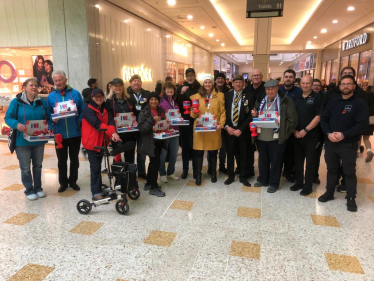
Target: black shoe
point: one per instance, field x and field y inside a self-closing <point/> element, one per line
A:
<point x="62" y="188"/>
<point x="143" y="176"/>
<point x="296" y="187"/>
<point x="361" y="151"/>
<point x="341" y="189"/>
<point x="223" y="170"/>
<point x="326" y="197"/>
<point x="147" y="187"/>
<point x="237" y="171"/>
<point x="272" y="189"/>
<point x="157" y="192"/>
<point x="229" y="181"/>
<point x="214" y="177"/>
<point x="351" y="204"/>
<point x="184" y="174"/>
<point x="74" y="186"/>
<point x="198" y="179"/>
<point x="316" y="180"/>
<point x="306" y="191"/>
<point x="289" y="178"/>
<point x="245" y="182"/>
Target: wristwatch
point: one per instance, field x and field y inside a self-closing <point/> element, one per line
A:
<point x="306" y="130"/>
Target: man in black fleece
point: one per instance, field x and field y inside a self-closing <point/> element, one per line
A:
<point x="343" y="122"/>
<point x="184" y="92"/>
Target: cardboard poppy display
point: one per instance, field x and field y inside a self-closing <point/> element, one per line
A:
<point x="163" y="131"/>
<point x="206" y="123"/>
<point x="270" y="119"/>
<point x="37" y="130"/>
<point x="126" y="122"/>
<point x="175" y="118"/>
<point x="64" y="109"/>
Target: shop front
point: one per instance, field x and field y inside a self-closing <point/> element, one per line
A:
<point x="305" y="66"/>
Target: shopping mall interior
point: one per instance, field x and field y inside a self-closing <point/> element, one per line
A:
<point x="208" y="232"/>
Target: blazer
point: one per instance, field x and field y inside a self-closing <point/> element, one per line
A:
<point x="245" y="117"/>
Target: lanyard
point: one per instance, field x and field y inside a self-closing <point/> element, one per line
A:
<point x="120" y="105"/>
<point x="137" y="98"/>
<point x="210" y="100"/>
<point x="24" y="115"/>
<point x="62" y="95"/>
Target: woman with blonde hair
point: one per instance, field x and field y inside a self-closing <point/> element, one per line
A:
<point x="211" y="102"/>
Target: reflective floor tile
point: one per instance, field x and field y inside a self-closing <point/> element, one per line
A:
<point x="32" y="272"/>
<point x="121" y="280"/>
<point x="8" y="154"/>
<point x="245" y="250"/>
<point x="46" y="156"/>
<point x="249" y="213"/>
<point x="51" y="171"/>
<point x="87" y="227"/>
<point x="82" y="158"/>
<point x="192" y="183"/>
<point x="11" y="167"/>
<point x="14" y="187"/>
<point x="160" y="238"/>
<point x="182" y="205"/>
<point x="315" y="194"/>
<point x="325" y="221"/>
<point x="205" y="168"/>
<point x="66" y="193"/>
<point x="251" y="189"/>
<point x="365" y="180"/>
<point x="21" y="219"/>
<point x="371" y="198"/>
<point x="344" y="263"/>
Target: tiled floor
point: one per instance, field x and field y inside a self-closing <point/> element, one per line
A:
<point x="207" y="232"/>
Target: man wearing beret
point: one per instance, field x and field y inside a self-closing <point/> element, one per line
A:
<point x="238" y="105"/>
<point x="138" y="99"/>
<point x="271" y="142"/>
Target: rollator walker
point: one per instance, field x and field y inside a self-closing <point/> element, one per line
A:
<point x="125" y="182"/>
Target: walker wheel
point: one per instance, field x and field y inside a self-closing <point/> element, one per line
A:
<point x="122" y="207"/>
<point x="84" y="207"/>
<point x="134" y="194"/>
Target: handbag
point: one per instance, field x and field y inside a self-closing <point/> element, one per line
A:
<point x="371" y="120"/>
<point x="12" y="136"/>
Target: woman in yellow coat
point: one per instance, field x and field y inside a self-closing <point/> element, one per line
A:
<point x="212" y="102"/>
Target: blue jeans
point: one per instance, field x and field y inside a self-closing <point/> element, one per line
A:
<point x="25" y="155"/>
<point x="173" y="144"/>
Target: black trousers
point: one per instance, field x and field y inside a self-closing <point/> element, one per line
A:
<point x="346" y="154"/>
<point x="250" y="172"/>
<point x="154" y="165"/>
<point x="305" y="149"/>
<point x="288" y="157"/>
<point x="95" y="158"/>
<point x="71" y="147"/>
<point x="318" y="160"/>
<point x="233" y="144"/>
<point x="126" y="137"/>
<point x="270" y="161"/>
<point x="223" y="151"/>
<point x="186" y="137"/>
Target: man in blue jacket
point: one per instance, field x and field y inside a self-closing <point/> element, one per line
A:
<point x="69" y="128"/>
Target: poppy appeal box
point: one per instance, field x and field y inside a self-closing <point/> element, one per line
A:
<point x="162" y="131"/>
<point x="64" y="109"/>
<point x="175" y="118"/>
<point x="270" y="119"/>
<point x="126" y="122"/>
<point x="37" y="130"/>
<point x="206" y="123"/>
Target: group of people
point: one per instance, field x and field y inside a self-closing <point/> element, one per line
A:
<point x="308" y="118"/>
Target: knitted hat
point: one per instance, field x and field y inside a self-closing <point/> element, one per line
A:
<point x="153" y="95"/>
<point x="208" y="76"/>
<point x="220" y="75"/>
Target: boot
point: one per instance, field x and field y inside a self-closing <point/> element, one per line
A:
<point x="198" y="168"/>
<point x="213" y="166"/>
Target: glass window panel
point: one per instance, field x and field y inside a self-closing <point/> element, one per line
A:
<point x="328" y="71"/>
<point x="353" y="61"/>
<point x="364" y="67"/>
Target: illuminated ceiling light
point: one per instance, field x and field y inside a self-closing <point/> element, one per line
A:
<point x="309" y="42"/>
<point x="315" y="37"/>
<point x="229" y="24"/>
<point x="97" y="6"/>
<point x="217" y="40"/>
<point x="126" y="21"/>
<point x="323" y="30"/>
<point x="202" y="27"/>
<point x="190" y="17"/>
<point x="41" y="50"/>
<point x="7" y="49"/>
<point x="188" y="45"/>
<point x="350" y="8"/>
<point x="14" y="51"/>
<point x="335" y="21"/>
<point x="303" y="22"/>
<point x="171" y="2"/>
<point x="211" y="34"/>
<point x="167" y="36"/>
<point x="223" y="44"/>
<point x="148" y="29"/>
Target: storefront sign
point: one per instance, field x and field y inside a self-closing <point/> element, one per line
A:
<point x="13" y="76"/>
<point x="264" y="8"/>
<point x="180" y="49"/>
<point x="355" y="42"/>
<point x="144" y="73"/>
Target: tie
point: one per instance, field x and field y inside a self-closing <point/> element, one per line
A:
<point x="235" y="115"/>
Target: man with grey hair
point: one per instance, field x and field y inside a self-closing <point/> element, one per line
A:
<point x="69" y="128"/>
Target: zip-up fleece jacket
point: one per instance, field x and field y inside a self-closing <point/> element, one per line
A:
<point x="69" y="127"/>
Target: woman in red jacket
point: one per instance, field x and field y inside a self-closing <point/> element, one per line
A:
<point x="95" y="117"/>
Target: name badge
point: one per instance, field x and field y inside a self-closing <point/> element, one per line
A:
<point x="310" y="100"/>
<point x="138" y="107"/>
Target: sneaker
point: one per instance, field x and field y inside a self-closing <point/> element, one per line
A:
<point x="289" y="178"/>
<point x="306" y="191"/>
<point x="369" y="157"/>
<point x="317" y="180"/>
<point x="41" y="194"/>
<point x="164" y="179"/>
<point x="326" y="197"/>
<point x="62" y="188"/>
<point x="174" y="177"/>
<point x="157" y="192"/>
<point x="296" y="187"/>
<point x="147" y="187"/>
<point x="272" y="189"/>
<point x="351" y="204"/>
<point x="32" y="197"/>
<point x="75" y="187"/>
<point x="341" y="189"/>
<point x="362" y="149"/>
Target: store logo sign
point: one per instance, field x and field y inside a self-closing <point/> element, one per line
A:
<point x="144" y="73"/>
<point x="355" y="42"/>
<point x="13" y="75"/>
<point x="180" y="49"/>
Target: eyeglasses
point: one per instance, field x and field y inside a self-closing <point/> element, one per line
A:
<point x="346" y="85"/>
<point x="190" y="76"/>
<point x="257" y="75"/>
